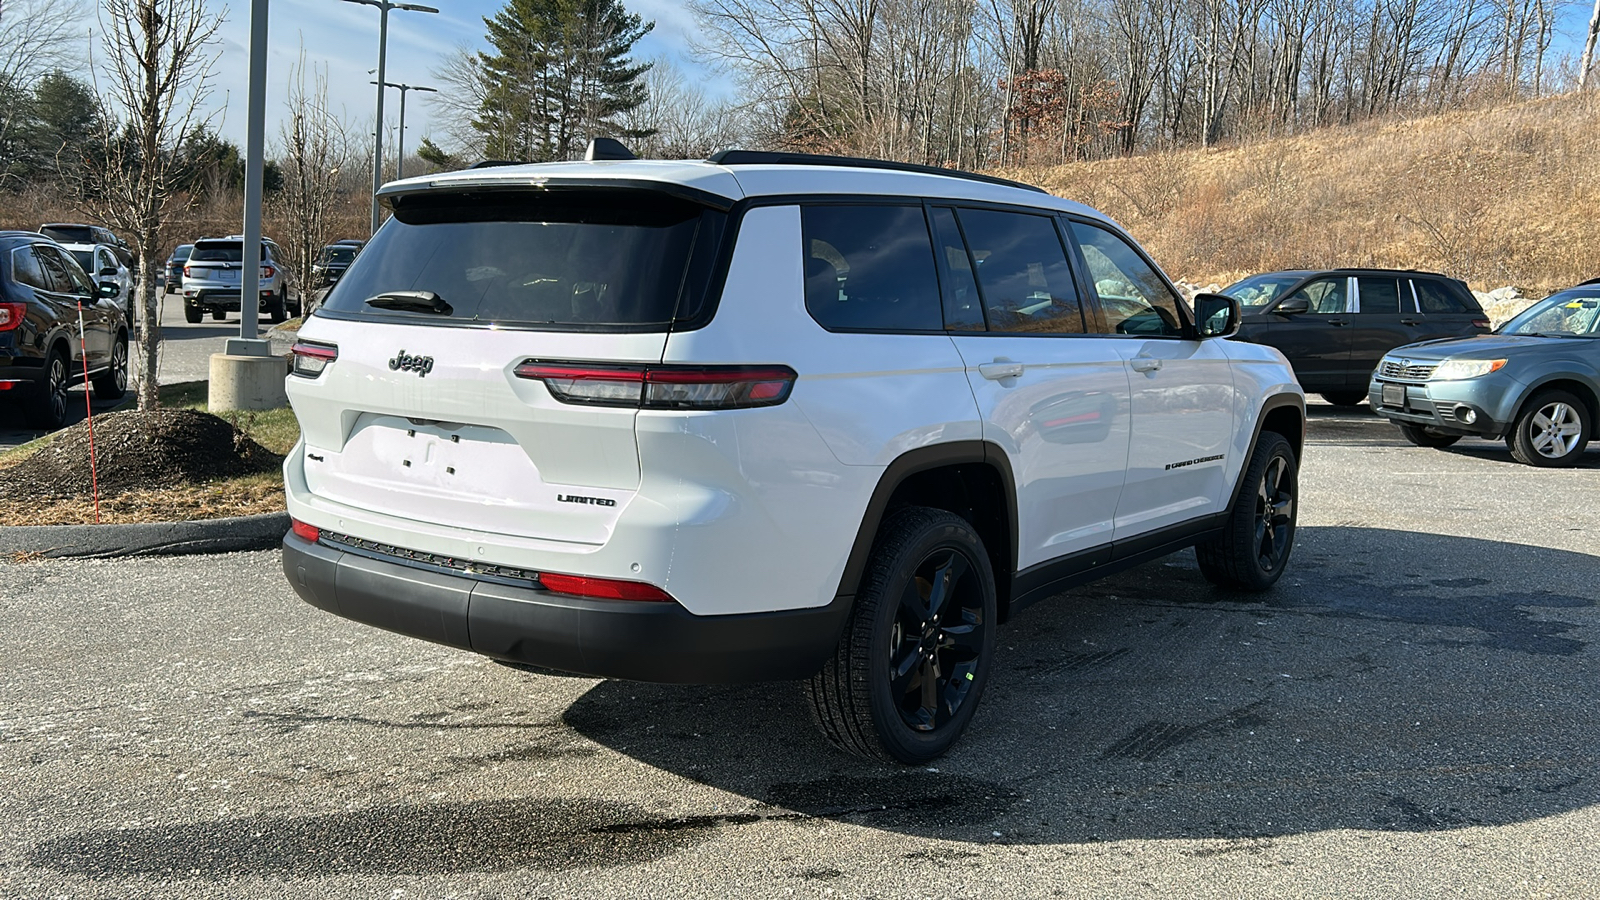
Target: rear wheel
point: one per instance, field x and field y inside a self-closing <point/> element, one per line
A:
<point x="217" y="315"/>
<point x="47" y="408"/>
<point x="1253" y="548"/>
<point x="1344" y="398"/>
<point x="1553" y="430"/>
<point x="275" y="309"/>
<point x="113" y="383"/>
<point x="1423" y="436"/>
<point x="192" y="314"/>
<point x="915" y="657"/>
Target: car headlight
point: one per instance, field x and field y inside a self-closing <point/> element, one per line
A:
<point x="1457" y="369"/>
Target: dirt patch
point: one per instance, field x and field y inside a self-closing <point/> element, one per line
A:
<point x="136" y="452"/>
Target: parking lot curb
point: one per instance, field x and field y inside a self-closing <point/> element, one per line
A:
<point x="260" y="532"/>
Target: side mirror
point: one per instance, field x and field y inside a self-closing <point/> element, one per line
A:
<point x="108" y="270"/>
<point x="1293" y="306"/>
<point x="109" y="290"/>
<point x="1216" y="315"/>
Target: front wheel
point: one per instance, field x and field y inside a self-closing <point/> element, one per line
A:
<point x="113" y="383"/>
<point x="1253" y="548"/>
<point x="916" y="655"/>
<point x="1553" y="430"/>
<point x="1423" y="436"/>
<point x="1344" y="398"/>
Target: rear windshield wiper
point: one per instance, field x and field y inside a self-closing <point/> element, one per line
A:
<point x="411" y="301"/>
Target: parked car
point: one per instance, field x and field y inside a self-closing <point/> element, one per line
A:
<point x="1335" y="324"/>
<point x="70" y="233"/>
<point x="768" y="416"/>
<point x="101" y="264"/>
<point x="1535" y="382"/>
<point x="43" y="292"/>
<point x="173" y="280"/>
<point x="333" y="260"/>
<point x="212" y="278"/>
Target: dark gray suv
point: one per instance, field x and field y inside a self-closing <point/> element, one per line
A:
<point x="1335" y="324"/>
<point x="1535" y="383"/>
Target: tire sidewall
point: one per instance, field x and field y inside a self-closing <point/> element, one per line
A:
<point x="1522" y="446"/>
<point x="899" y="739"/>
<point x="1272" y="448"/>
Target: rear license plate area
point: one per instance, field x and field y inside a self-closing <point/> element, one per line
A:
<point x="1394" y="395"/>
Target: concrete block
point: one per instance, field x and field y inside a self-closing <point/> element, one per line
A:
<point x="247" y="382"/>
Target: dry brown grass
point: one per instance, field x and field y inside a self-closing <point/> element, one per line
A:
<point x="243" y="496"/>
<point x="1500" y="196"/>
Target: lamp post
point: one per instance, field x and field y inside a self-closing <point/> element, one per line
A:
<point x="400" y="158"/>
<point x="383" y="7"/>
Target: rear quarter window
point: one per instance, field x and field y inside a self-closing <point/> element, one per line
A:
<point x="558" y="259"/>
<point x="1433" y="297"/>
<point x="870" y="268"/>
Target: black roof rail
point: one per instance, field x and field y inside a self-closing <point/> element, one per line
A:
<point x="491" y="163"/>
<point x="780" y="158"/>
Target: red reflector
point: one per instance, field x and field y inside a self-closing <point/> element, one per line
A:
<point x="6" y="385"/>
<point x="319" y="351"/>
<point x="602" y="588"/>
<point x="305" y="532"/>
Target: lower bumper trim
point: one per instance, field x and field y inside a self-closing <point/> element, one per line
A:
<point x="638" y="641"/>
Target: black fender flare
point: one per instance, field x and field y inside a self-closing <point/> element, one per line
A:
<point x="1274" y="402"/>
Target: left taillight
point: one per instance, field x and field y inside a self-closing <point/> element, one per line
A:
<point x="11" y="315"/>
<point x="1480" y="323"/>
<point x="310" y="359"/>
<point x="662" y="386"/>
<point x="305" y="532"/>
<point x="268" y="271"/>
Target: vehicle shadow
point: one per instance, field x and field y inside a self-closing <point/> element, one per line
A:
<point x="1495" y="451"/>
<point x="1393" y="681"/>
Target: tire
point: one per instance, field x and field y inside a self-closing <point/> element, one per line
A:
<point x="1254" y="546"/>
<point x="114" y="383"/>
<point x="1552" y="430"/>
<point x="192" y="315"/>
<point x="217" y="315"/>
<point x="943" y="655"/>
<point x="1345" y="398"/>
<point x="1422" y="436"/>
<point x="47" y="408"/>
<point x="275" y="309"/>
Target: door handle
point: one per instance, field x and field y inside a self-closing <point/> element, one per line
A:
<point x="1409" y="322"/>
<point x="997" y="370"/>
<point x="1340" y="322"/>
<point x="1144" y="363"/>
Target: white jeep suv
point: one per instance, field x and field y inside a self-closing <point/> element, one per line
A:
<point x="768" y="416"/>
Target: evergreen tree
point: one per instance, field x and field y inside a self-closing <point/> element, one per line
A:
<point x="559" y="74"/>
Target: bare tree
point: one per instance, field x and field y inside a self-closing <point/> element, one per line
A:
<point x="158" y="65"/>
<point x="1588" y="46"/>
<point x="464" y="90"/>
<point x="36" y="37"/>
<point x="680" y="119"/>
<point x="315" y="145"/>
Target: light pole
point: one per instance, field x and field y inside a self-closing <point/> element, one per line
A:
<point x="383" y="42"/>
<point x="400" y="158"/>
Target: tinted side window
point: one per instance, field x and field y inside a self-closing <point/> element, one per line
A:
<point x="77" y="281"/>
<point x="1133" y="297"/>
<point x="55" y="271"/>
<point x="1434" y="297"/>
<point x="870" y="268"/>
<point x="1379" y="295"/>
<point x="25" y="269"/>
<point x="963" y="308"/>
<point x="1325" y="296"/>
<point x="1022" y="269"/>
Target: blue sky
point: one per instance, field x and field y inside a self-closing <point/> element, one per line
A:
<point x="344" y="38"/>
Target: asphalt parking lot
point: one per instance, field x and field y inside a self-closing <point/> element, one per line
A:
<point x="1411" y="712"/>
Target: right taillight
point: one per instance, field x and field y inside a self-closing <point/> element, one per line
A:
<point x="310" y="359"/>
<point x="186" y="272"/>
<point x="11" y="315"/>
<point x="662" y="386"/>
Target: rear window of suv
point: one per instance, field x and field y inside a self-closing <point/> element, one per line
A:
<point x="561" y="259"/>
<point x="219" y="252"/>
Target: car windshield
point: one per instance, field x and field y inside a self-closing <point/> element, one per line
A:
<point x="69" y="234"/>
<point x="1574" y="313"/>
<point x="632" y="260"/>
<point x="1261" y="291"/>
<point x="338" y="255"/>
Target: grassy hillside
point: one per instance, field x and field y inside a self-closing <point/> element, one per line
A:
<point x="1502" y="196"/>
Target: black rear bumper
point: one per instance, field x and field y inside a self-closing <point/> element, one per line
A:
<point x="635" y="640"/>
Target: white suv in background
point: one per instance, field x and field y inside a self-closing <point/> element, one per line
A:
<point x="768" y="416"/>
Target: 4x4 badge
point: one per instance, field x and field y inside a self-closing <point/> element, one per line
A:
<point x="421" y="365"/>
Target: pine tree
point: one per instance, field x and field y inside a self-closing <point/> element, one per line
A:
<point x="558" y="75"/>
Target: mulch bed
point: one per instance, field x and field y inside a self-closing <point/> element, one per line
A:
<point x="136" y="452"/>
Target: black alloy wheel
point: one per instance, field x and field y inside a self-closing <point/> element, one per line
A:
<point x="47" y="409"/>
<point x="113" y="383"/>
<point x="1253" y="548"/>
<point x="913" y="662"/>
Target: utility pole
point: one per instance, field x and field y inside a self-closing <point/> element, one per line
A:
<point x="383" y="7"/>
<point x="400" y="160"/>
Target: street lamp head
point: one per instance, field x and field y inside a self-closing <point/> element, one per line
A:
<point x="414" y="7"/>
